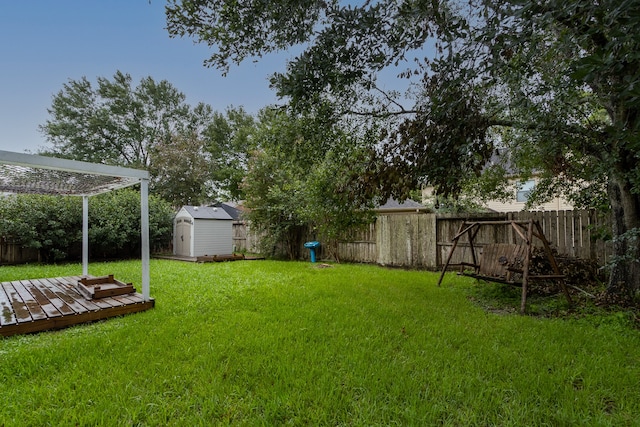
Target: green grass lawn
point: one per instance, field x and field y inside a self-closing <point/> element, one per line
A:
<point x="288" y="343"/>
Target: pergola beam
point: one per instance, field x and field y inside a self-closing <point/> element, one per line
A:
<point x="54" y="163"/>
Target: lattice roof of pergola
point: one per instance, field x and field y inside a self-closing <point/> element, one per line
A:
<point x="25" y="173"/>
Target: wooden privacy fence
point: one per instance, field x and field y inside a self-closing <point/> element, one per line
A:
<point x="11" y="253"/>
<point x="419" y="240"/>
<point x="571" y="233"/>
<point x="423" y="240"/>
<point x="243" y="237"/>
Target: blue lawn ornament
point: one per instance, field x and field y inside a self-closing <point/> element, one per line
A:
<point x="312" y="246"/>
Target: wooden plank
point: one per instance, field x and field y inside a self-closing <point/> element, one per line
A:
<point x="552" y="219"/>
<point x="49" y="309"/>
<point x="7" y="315"/>
<point x="70" y="284"/>
<point x="496" y="258"/>
<point x="111" y="301"/>
<point x="37" y="313"/>
<point x="576" y="234"/>
<point x="19" y="307"/>
<point x="129" y="298"/>
<point x="57" y="302"/>
<point x="62" y="292"/>
<point x="65" y="321"/>
<point x="562" y="233"/>
<point x="593" y="248"/>
<point x="585" y="235"/>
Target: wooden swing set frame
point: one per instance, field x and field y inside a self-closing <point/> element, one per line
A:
<point x="498" y="262"/>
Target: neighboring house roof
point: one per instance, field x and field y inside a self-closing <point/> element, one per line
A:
<point x="207" y="212"/>
<point x="231" y="208"/>
<point x="408" y="205"/>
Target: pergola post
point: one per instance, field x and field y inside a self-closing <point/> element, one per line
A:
<point x="144" y="235"/>
<point x="85" y="235"/>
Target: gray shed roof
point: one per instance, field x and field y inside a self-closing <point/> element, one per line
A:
<point x="207" y="212"/>
<point x="231" y="208"/>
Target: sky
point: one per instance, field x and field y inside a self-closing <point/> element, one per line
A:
<point x="46" y="43"/>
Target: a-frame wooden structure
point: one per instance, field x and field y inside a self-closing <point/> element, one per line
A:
<point x="505" y="262"/>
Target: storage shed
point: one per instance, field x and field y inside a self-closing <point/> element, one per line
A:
<point x="202" y="230"/>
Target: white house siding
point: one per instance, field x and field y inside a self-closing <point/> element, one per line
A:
<point x="556" y="204"/>
<point x="512" y="205"/>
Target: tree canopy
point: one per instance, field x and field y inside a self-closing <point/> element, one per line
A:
<point x="554" y="84"/>
<point x="299" y="183"/>
<point x="116" y="123"/>
<point x="229" y="141"/>
<point x="194" y="155"/>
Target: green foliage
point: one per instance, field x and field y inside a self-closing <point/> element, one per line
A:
<point x="181" y="170"/>
<point x="229" y="143"/>
<point x="114" y="223"/>
<point x="302" y="182"/>
<point x="115" y="123"/>
<point x="275" y="343"/>
<point x="149" y="126"/>
<point x="246" y="29"/>
<point x="53" y="225"/>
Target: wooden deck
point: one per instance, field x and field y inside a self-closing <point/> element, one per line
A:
<point x="36" y="305"/>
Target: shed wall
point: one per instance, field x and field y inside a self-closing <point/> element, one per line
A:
<point x="212" y="237"/>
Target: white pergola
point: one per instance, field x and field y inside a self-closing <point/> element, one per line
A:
<point x="28" y="173"/>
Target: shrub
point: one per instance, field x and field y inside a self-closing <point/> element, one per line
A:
<point x="53" y="224"/>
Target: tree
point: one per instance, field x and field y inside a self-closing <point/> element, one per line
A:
<point x="115" y="123"/>
<point x="53" y="225"/>
<point x="181" y="170"/>
<point x="554" y="83"/>
<point x="298" y="185"/>
<point x="144" y="127"/>
<point x="229" y="140"/>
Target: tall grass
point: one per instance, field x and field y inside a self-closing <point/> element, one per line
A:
<point x="288" y="343"/>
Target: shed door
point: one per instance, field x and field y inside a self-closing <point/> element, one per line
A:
<point x="183" y="237"/>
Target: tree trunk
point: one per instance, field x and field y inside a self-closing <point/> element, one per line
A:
<point x="624" y="281"/>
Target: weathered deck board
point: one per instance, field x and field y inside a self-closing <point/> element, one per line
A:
<point x="47" y="308"/>
<point x="70" y="284"/>
<point x="20" y="309"/>
<point x="8" y="316"/>
<point x="42" y="304"/>
<point x="58" y="303"/>
<point x="37" y="313"/>
<point x="63" y="293"/>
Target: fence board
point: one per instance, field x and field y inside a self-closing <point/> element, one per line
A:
<point x="551" y="219"/>
<point x="11" y="253"/>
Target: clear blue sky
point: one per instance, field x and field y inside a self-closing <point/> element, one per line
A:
<point x="44" y="43"/>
